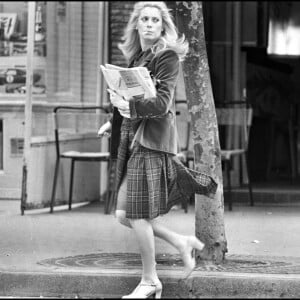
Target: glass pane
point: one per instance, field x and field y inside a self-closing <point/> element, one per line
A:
<point x="13" y="47"/>
<point x="284" y="28"/>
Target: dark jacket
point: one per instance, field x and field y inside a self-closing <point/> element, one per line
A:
<point x="157" y="129"/>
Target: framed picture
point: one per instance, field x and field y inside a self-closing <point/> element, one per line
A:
<point x="8" y="21"/>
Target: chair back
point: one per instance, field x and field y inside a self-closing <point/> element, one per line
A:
<point x="74" y="122"/>
<point x="183" y="124"/>
<point x="234" y="122"/>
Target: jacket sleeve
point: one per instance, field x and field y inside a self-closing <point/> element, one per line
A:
<point x="166" y="70"/>
<point x="116" y="122"/>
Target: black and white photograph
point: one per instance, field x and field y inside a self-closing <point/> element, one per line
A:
<point x="149" y="149"/>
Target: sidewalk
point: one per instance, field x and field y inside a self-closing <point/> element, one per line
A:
<point x="84" y="253"/>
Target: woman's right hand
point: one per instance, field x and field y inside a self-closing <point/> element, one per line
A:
<point x="120" y="103"/>
<point x="105" y="129"/>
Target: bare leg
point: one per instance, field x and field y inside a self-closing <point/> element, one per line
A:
<point x="184" y="244"/>
<point x="120" y="212"/>
<point x="145" y="237"/>
<point x="150" y="283"/>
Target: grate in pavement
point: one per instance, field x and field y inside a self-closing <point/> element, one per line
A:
<point x="233" y="263"/>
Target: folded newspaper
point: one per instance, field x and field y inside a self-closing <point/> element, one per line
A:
<point x="129" y="82"/>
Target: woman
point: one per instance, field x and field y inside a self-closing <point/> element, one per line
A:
<point x="150" y="180"/>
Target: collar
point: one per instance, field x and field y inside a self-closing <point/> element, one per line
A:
<point x="143" y="58"/>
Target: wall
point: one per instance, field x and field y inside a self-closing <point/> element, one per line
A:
<point x="41" y="172"/>
<point x="11" y="175"/>
<point x="90" y="50"/>
<point x="119" y="12"/>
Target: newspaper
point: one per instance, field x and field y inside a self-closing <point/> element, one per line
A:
<point x="129" y="82"/>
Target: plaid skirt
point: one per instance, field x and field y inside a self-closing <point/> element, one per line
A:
<point x="156" y="181"/>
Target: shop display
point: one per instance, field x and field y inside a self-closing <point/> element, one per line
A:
<point x="13" y="43"/>
<point x="8" y="23"/>
<point x="13" y="81"/>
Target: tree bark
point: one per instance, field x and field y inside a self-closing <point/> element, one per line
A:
<point x="209" y="216"/>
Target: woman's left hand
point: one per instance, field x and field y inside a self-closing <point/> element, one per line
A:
<point x="120" y="103"/>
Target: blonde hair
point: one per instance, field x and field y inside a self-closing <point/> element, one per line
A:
<point x="168" y="40"/>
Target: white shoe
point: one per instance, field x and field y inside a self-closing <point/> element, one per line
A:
<point x="145" y="290"/>
<point x="188" y="256"/>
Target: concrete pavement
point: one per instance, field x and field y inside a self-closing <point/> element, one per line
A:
<point x="84" y="253"/>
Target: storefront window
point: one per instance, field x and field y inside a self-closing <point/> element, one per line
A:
<point x="13" y="47"/>
<point x="284" y="28"/>
<point x="67" y="50"/>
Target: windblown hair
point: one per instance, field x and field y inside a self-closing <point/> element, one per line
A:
<point x="169" y="38"/>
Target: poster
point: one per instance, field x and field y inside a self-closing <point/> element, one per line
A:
<point x="13" y="80"/>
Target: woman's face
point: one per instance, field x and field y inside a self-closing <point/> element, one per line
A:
<point x="149" y="25"/>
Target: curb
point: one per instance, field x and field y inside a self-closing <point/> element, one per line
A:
<point x="112" y="283"/>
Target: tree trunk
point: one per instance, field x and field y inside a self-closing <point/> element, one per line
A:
<point x="209" y="212"/>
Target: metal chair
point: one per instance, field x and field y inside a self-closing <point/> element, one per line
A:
<point x="234" y="122"/>
<point x="183" y="123"/>
<point x="185" y="146"/>
<point x="291" y="128"/>
<point x="77" y="122"/>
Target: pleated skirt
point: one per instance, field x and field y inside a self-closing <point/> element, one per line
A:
<point x="156" y="181"/>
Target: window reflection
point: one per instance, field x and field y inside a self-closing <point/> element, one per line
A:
<point x="284" y="28"/>
<point x="13" y="47"/>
